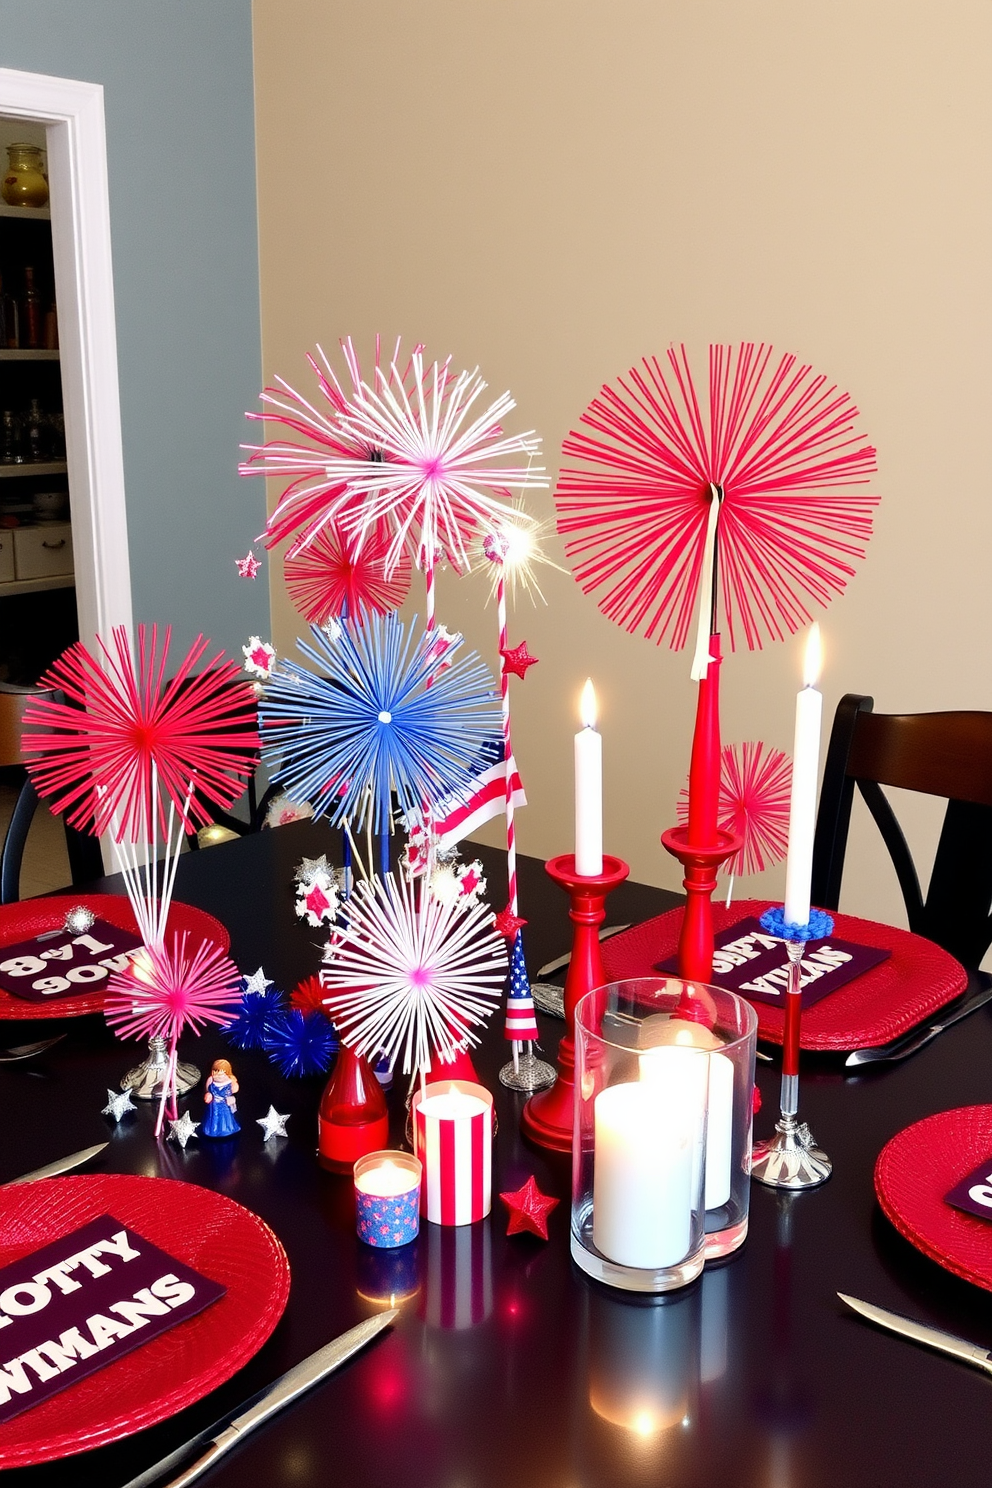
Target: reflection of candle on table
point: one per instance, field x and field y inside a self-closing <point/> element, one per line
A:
<point x="646" y="1179"/>
<point x="802" y="806"/>
<point x="453" y="1138"/>
<point x="387" y="1198"/>
<point x="588" y="789"/>
<point x="720" y="1101"/>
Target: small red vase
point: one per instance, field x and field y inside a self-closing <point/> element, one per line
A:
<point x="353" y="1117"/>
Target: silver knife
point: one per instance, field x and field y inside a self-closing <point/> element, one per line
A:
<point x="273" y="1398"/>
<point x="968" y="1353"/>
<point x="908" y="1043"/>
<point x="61" y="1165"/>
<point x="560" y="961"/>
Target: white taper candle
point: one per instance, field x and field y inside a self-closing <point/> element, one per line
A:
<point x="805" y="768"/>
<point x="588" y="790"/>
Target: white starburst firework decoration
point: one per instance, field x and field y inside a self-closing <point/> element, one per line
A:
<point x="412" y="976"/>
<point x="442" y="473"/>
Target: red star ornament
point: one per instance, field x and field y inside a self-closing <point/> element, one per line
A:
<point x="317" y="901"/>
<point x="529" y="1210"/>
<point x="517" y="659"/>
<point x="248" y="566"/>
<point x="507" y="923"/>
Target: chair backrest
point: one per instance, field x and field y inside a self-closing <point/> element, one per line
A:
<point x="938" y="754"/>
<point x="85" y="858"/>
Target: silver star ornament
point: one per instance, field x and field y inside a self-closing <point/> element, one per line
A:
<point x="119" y="1102"/>
<point x="272" y="1124"/>
<point x="180" y="1131"/>
<point x="256" y="983"/>
<point x="310" y="867"/>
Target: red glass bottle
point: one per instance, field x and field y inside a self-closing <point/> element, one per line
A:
<point x="353" y="1117"/>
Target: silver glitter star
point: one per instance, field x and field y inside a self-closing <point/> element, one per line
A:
<point x="310" y="867"/>
<point x="272" y="1124"/>
<point x="79" y="920"/>
<point x="118" y="1103"/>
<point x="180" y="1131"/>
<point x="256" y="983"/>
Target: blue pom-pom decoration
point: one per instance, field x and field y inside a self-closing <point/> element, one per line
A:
<point x="249" y="1026"/>
<point x="300" y="1044"/>
<point x="818" y="927"/>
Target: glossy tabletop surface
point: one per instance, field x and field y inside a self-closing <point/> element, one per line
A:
<point x="508" y="1366"/>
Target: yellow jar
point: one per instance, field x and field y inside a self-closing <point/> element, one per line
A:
<point x="24" y="183"/>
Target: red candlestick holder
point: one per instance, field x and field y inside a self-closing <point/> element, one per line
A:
<point x="700" y="864"/>
<point x="547" y="1116"/>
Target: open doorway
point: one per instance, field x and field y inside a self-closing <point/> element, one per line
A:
<point x="64" y="569"/>
<point x="69" y="116"/>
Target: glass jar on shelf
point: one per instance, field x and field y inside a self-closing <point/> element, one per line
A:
<point x="25" y="183"/>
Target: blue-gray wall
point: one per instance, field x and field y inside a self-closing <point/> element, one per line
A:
<point x="177" y="76"/>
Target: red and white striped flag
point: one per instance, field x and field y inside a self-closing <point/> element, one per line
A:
<point x="469" y="808"/>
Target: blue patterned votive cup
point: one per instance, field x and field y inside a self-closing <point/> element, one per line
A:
<point x="387" y="1198"/>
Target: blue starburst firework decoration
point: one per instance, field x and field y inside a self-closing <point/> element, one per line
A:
<point x="249" y="1027"/>
<point x="300" y="1043"/>
<point x="379" y="717"/>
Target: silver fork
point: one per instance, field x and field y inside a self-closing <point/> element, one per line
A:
<point x="28" y="1051"/>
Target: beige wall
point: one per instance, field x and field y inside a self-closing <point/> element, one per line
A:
<point x="552" y="189"/>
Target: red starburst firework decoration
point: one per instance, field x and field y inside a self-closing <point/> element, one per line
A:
<point x="334" y="575"/>
<point x="755" y="782"/>
<point x="125" y="743"/>
<point x="169" y="991"/>
<point x="777" y="437"/>
<point x="309" y="996"/>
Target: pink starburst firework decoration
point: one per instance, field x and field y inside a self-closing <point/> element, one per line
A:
<point x="755" y="782"/>
<point x="171" y="990"/>
<point x="411" y="974"/>
<point x="315" y="497"/>
<point x="780" y="441"/>
<point x="333" y="575"/>
<point x="126" y="742"/>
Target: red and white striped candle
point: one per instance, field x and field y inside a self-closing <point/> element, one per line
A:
<point x="453" y="1137"/>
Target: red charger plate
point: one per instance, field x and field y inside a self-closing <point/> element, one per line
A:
<point x="917" y="1168"/>
<point x="916" y="979"/>
<point x="33" y="916"/>
<point x="214" y="1235"/>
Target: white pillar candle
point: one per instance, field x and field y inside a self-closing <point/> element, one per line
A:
<point x="680" y="1033"/>
<point x="805" y="768"/>
<point x="647" y="1162"/>
<point x="588" y="789"/>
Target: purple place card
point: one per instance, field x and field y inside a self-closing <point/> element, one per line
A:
<point x="747" y="960"/>
<point x="974" y="1193"/>
<point x="75" y="1306"/>
<point x="58" y="964"/>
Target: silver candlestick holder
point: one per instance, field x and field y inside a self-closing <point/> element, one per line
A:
<point x="791" y="1159"/>
<point x="147" y="1079"/>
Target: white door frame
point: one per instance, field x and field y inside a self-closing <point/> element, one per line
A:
<point x="77" y="164"/>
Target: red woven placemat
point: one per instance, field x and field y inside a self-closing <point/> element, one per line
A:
<point x="210" y="1233"/>
<point x="917" y="1168"/>
<point x="916" y="980"/>
<point x="30" y="917"/>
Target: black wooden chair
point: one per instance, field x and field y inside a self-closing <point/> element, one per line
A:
<point x="85" y="857"/>
<point x="939" y="754"/>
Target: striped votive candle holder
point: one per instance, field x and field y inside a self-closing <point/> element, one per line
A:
<point x="453" y="1137"/>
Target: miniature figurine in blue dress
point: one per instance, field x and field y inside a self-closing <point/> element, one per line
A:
<point x="219" y="1119"/>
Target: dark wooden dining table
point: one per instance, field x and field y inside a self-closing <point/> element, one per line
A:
<point x="508" y="1367"/>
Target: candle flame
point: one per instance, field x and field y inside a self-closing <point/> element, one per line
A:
<point x="813" y="658"/>
<point x="587" y="705"/>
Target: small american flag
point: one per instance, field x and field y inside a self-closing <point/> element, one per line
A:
<point x="520" y="1020"/>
